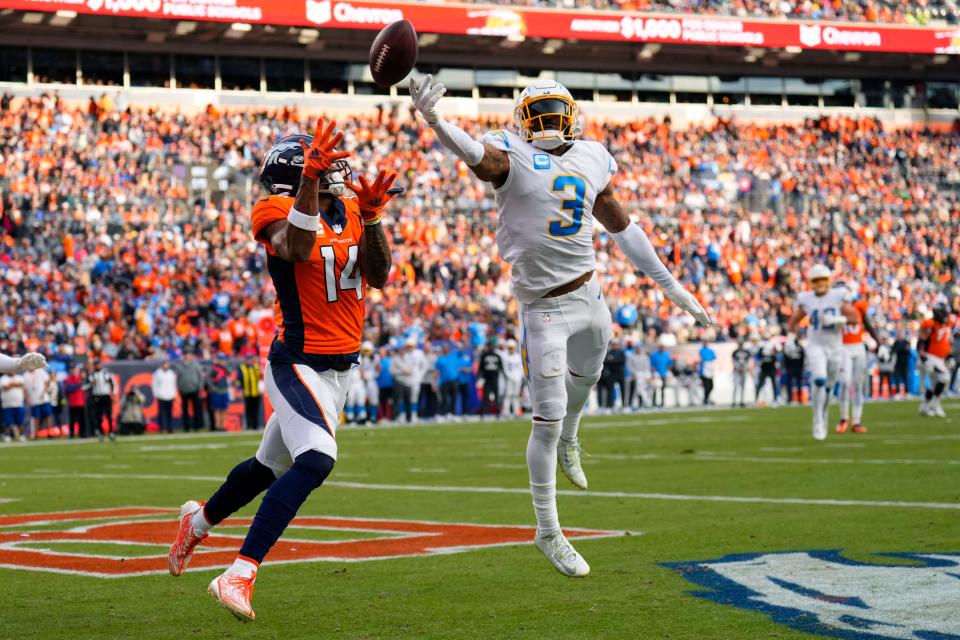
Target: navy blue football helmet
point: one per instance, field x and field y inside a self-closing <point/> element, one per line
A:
<point x="283" y="163"/>
<point x="941" y="312"/>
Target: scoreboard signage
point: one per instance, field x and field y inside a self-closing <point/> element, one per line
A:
<point x="519" y="22"/>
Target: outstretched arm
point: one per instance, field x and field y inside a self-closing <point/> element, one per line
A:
<point x="375" y="258"/>
<point x="486" y="161"/>
<point x="26" y="362"/>
<point x="293" y="239"/>
<point x="635" y="245"/>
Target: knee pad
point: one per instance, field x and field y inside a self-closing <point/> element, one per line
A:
<point x="583" y="381"/>
<point x="550" y="410"/>
<point x="317" y="466"/>
<point x="820" y="382"/>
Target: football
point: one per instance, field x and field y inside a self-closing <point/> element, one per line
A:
<point x="393" y="54"/>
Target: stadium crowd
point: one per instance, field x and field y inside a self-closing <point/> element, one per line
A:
<point x="918" y="12"/>
<point x="106" y="255"/>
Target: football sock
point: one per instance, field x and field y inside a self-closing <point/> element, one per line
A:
<point x="242" y="566"/>
<point x="929" y="395"/>
<point x="578" y="391"/>
<point x="245" y="482"/>
<point x="542" y="465"/>
<point x="283" y="500"/>
<point x="857" y="403"/>
<point x="819" y="400"/>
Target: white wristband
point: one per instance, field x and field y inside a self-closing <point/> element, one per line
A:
<point x="303" y="221"/>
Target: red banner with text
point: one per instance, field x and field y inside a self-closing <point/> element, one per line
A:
<point x="537" y="23"/>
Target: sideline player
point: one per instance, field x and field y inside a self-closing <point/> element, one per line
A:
<point x="322" y="252"/>
<point x="550" y="187"/>
<point x="934" y="346"/>
<point x="827" y="309"/>
<point x="853" y="379"/>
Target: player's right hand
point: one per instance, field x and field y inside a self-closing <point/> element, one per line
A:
<point x="686" y="301"/>
<point x="31" y="361"/>
<point x="322" y="153"/>
<point x="425" y="96"/>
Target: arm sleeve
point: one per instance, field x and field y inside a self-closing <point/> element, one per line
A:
<point x="636" y="246"/>
<point x="8" y="364"/>
<point x="459" y="142"/>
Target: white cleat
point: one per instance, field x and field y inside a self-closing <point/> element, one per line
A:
<point x="568" y="455"/>
<point x="561" y="553"/>
<point x="938" y="409"/>
<point x="819" y="430"/>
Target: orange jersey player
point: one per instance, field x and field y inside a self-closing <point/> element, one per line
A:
<point x="853" y="367"/>
<point x="934" y="344"/>
<point x="322" y="252"/>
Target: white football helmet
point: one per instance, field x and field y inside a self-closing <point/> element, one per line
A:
<point x="546" y="115"/>
<point x="820" y="277"/>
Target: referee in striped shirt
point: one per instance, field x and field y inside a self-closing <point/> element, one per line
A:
<point x="100" y="382"/>
<point x="249" y="377"/>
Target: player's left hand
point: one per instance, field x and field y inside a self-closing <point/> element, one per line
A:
<point x="322" y="153"/>
<point x="372" y="198"/>
<point x="686" y="301"/>
<point x="31" y="361"/>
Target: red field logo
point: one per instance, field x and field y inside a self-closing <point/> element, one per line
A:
<point x="27" y="541"/>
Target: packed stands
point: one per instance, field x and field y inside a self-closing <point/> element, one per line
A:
<point x="105" y="250"/>
<point x="882" y="11"/>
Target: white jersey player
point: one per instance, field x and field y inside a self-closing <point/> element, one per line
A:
<point x="369" y="371"/>
<point x="550" y="187"/>
<point x="827" y="309"/>
<point x="26" y="362"/>
<point x="512" y="380"/>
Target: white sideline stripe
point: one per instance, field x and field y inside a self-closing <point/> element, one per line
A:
<point x="180" y="447"/>
<point x="6" y="500"/>
<point x="719" y="457"/>
<point x="523" y="491"/>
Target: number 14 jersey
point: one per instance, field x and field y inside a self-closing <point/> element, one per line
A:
<point x="545" y="225"/>
<point x="320" y="302"/>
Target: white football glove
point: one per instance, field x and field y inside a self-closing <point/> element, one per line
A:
<point x="834" y="321"/>
<point x="31" y="361"/>
<point x="425" y="97"/>
<point x="686" y="301"/>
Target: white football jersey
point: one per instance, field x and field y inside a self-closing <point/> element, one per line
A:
<point x="818" y="308"/>
<point x="545" y="226"/>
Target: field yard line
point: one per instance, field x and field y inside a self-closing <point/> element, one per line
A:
<point x="719" y="457"/>
<point x="521" y="491"/>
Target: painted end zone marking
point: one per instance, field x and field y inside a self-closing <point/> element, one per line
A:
<point x="401" y="539"/>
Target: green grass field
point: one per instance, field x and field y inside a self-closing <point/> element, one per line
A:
<point x="687" y="487"/>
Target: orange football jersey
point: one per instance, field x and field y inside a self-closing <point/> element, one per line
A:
<point x="853" y="333"/>
<point x="939" y="342"/>
<point x="320" y="302"/>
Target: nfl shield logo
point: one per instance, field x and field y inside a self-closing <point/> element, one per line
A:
<point x="810" y="35"/>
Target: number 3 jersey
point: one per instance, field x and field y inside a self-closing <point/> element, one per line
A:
<point x="822" y="311"/>
<point x="320" y="302"/>
<point x="545" y="225"/>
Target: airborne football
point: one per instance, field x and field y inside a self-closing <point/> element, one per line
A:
<point x="470" y="320"/>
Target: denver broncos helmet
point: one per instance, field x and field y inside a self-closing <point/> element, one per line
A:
<point x="941" y="312"/>
<point x="283" y="163"/>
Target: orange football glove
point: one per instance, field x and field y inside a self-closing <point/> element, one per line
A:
<point x="372" y="198"/>
<point x="320" y="155"/>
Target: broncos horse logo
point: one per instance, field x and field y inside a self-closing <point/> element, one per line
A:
<point x="822" y="592"/>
